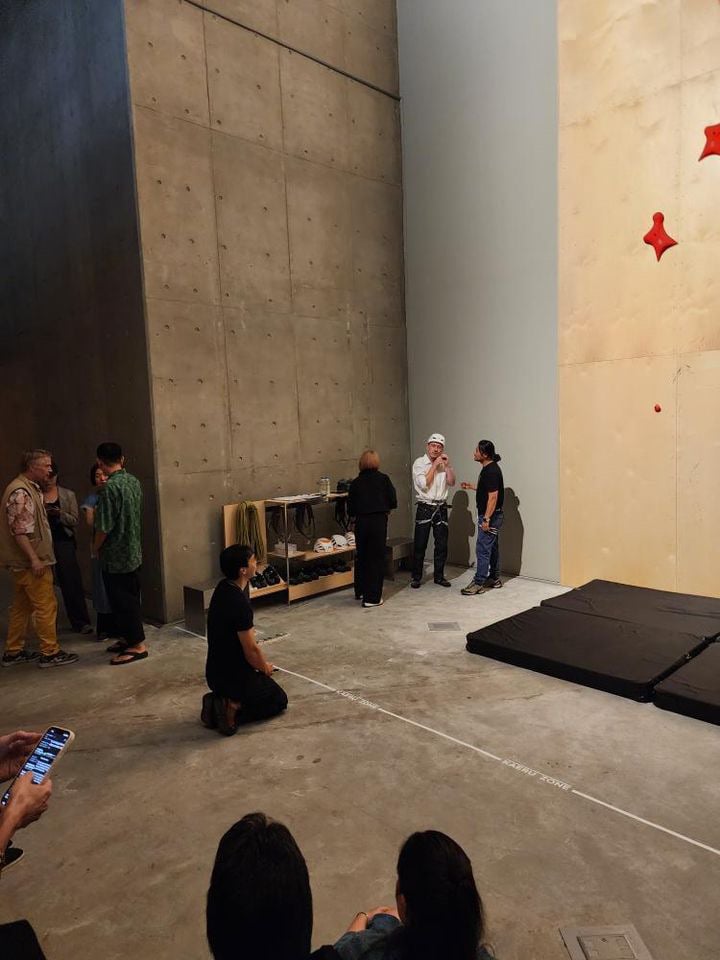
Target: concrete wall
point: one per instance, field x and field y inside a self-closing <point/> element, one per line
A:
<point x="638" y="85"/>
<point x="478" y="81"/>
<point x="73" y="358"/>
<point x="269" y="190"/>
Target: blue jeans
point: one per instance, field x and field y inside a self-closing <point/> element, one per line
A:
<point x="487" y="549"/>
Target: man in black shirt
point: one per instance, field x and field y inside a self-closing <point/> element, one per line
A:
<point x="489" y="497"/>
<point x="237" y="673"/>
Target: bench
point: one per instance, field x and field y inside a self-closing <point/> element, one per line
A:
<point x="397" y="551"/>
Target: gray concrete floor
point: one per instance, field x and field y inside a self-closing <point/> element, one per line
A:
<point x="120" y="864"/>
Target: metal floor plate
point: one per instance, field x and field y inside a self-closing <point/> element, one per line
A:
<point x="604" y="943"/>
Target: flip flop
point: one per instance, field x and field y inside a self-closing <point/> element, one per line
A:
<point x="127" y="653"/>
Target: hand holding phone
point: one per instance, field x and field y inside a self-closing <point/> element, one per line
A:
<point x="49" y="749"/>
<point x="15" y="748"/>
<point x="28" y="800"/>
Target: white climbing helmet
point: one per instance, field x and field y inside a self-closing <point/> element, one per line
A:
<point x="339" y="542"/>
<point x="350" y="537"/>
<point x="323" y="545"/>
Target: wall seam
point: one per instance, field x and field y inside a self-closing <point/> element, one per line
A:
<point x="143" y="300"/>
<point x="287" y="46"/>
<point x="230" y="450"/>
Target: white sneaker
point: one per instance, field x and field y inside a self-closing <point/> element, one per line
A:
<point x="379" y="604"/>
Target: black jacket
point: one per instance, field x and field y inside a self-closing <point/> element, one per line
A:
<point x="371" y="492"/>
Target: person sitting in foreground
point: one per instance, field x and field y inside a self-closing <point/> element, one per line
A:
<point x="439" y="914"/>
<point x="259" y="905"/>
<point x="237" y="673"/>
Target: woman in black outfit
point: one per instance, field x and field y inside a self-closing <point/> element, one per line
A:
<point x="370" y="499"/>
<point x="62" y="512"/>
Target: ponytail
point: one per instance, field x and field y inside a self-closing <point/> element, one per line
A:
<point x="488" y="448"/>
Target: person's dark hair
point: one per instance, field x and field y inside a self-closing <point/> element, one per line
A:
<point x="445" y="919"/>
<point x="259" y="903"/>
<point x="93" y="474"/>
<point x="110" y="453"/>
<point x="234" y="558"/>
<point x="487" y="447"/>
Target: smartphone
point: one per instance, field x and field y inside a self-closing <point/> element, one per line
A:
<point x="51" y="746"/>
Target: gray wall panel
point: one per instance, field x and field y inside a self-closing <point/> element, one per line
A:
<point x="478" y="81"/>
<point x="73" y="354"/>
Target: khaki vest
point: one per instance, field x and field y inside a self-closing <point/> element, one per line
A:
<point x="11" y="556"/>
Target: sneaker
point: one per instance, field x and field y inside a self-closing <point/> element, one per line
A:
<point x="22" y="656"/>
<point x="491" y="584"/>
<point x="472" y="589"/>
<point x="378" y="604"/>
<point x="85" y="629"/>
<point x="12" y="856"/>
<point x="59" y="659"/>
<point x="442" y="582"/>
<point x="415" y="584"/>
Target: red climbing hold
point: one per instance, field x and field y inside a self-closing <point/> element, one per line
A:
<point x="657" y="238"/>
<point x="712" y="142"/>
<point x="658" y="408"/>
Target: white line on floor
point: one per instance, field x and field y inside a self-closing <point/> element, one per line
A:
<point x="513" y="764"/>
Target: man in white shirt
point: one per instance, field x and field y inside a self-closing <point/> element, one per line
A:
<point x="432" y="477"/>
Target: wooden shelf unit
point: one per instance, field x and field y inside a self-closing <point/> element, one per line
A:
<point x="322" y="585"/>
<point x="333" y="581"/>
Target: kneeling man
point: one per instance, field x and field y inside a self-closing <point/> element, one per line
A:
<point x="237" y="673"/>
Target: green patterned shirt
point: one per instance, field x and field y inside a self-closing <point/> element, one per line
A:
<point x="119" y="515"/>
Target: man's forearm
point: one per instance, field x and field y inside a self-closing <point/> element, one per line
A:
<point x="98" y="540"/>
<point x="253" y="653"/>
<point x="450" y="476"/>
<point x="23" y="541"/>
<point x="491" y="504"/>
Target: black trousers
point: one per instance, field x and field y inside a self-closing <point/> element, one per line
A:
<point x="370" y="540"/>
<point x="259" y="696"/>
<point x="123" y="590"/>
<point x="18" y="942"/>
<point x="428" y="516"/>
<point x="106" y="624"/>
<point x="69" y="579"/>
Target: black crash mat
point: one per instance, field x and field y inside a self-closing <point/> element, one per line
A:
<point x="680" y="612"/>
<point x="694" y="689"/>
<point x="623" y="658"/>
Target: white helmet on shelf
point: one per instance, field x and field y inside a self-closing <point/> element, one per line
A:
<point x="350" y="537"/>
<point x="323" y="545"/>
<point x="339" y="542"/>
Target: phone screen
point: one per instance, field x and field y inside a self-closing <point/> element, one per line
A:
<point x="43" y="756"/>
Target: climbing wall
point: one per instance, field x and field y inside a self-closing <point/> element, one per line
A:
<point x="639" y="337"/>
<point x="268" y="174"/>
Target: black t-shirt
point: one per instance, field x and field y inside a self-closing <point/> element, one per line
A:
<point x="490" y="480"/>
<point x="229" y="612"/>
<point x="325" y="953"/>
<point x="371" y="492"/>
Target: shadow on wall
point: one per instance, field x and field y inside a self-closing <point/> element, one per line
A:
<point x="512" y="534"/>
<point x="461" y="531"/>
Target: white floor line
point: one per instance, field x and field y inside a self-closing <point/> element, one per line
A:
<point x="513" y="764"/>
